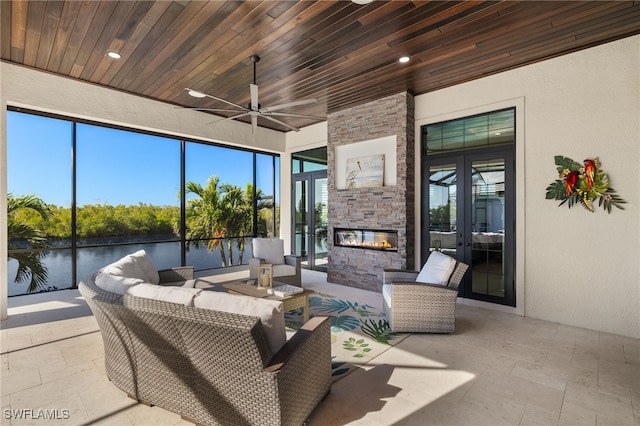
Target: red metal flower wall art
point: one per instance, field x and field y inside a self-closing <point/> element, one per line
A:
<point x="583" y="183"/>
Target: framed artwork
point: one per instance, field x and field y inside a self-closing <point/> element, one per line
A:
<point x="364" y="172"/>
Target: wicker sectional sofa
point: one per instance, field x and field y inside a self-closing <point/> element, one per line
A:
<point x="209" y="366"/>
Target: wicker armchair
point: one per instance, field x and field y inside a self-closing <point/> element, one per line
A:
<point x="286" y="268"/>
<point x="412" y="306"/>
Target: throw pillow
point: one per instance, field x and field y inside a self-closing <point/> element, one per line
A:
<point x="142" y="259"/>
<point x="125" y="267"/>
<point x="437" y="269"/>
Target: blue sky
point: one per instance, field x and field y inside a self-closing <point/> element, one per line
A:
<point x="114" y="166"/>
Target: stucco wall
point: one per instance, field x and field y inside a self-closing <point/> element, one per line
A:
<point x="579" y="268"/>
<point x="573" y="267"/>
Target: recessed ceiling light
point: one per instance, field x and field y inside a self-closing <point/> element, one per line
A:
<point x="497" y="133"/>
<point x="361" y="1"/>
<point x="404" y="59"/>
<point x="196" y="94"/>
<point x="114" y="55"/>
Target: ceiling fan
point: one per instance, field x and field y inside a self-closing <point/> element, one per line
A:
<point x="254" y="109"/>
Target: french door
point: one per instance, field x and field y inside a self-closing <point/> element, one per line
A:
<point x="310" y="208"/>
<point x="470" y="202"/>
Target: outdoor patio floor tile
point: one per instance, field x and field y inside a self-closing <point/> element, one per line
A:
<point x="497" y="369"/>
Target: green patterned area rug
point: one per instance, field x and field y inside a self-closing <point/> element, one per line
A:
<point x="359" y="332"/>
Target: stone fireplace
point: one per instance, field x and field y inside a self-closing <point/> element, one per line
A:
<point x="385" y="127"/>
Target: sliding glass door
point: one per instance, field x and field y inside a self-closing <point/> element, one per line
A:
<point x="310" y="218"/>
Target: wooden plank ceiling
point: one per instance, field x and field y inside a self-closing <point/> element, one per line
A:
<point x="341" y="53"/>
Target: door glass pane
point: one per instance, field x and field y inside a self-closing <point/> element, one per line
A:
<point x="300" y="226"/>
<point x="321" y="221"/>
<point x="442" y="208"/>
<point x="488" y="226"/>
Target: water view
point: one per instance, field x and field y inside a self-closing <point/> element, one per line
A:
<point x="163" y="255"/>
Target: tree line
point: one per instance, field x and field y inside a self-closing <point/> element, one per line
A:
<point x="103" y="220"/>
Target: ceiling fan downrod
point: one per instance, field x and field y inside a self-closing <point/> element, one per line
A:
<point x="255" y="59"/>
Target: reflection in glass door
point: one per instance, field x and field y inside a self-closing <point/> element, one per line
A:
<point x="310" y="206"/>
<point x="470" y="205"/>
<point x="487" y="223"/>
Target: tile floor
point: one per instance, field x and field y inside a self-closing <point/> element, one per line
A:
<point x="497" y="369"/>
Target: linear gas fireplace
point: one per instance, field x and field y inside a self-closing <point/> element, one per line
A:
<point x="366" y="239"/>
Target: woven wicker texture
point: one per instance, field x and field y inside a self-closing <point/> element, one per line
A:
<point x="178" y="273"/>
<point x="211" y="367"/>
<point x="418" y="307"/>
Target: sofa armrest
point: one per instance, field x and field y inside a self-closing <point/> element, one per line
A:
<point x="256" y="261"/>
<point x="309" y="334"/>
<point x="392" y="275"/>
<point x="178" y="273"/>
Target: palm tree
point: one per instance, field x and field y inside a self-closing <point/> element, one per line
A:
<point x="29" y="262"/>
<point x="236" y="213"/>
<point x="222" y="210"/>
<point x="204" y="216"/>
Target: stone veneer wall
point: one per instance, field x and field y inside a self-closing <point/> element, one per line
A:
<point x="387" y="207"/>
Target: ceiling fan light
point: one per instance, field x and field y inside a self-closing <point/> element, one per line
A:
<point x="196" y="94"/>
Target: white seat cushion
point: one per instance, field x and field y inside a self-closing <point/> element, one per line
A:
<point x="270" y="312"/>
<point x="142" y="259"/>
<point x="180" y="295"/>
<point x="115" y="283"/>
<point x="283" y="270"/>
<point x="437" y="269"/>
<point x="269" y="249"/>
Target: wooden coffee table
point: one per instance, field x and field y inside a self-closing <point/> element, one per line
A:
<point x="294" y="301"/>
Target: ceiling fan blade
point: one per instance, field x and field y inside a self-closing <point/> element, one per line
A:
<point x="209" y="109"/>
<point x="254" y="97"/>
<point x="216" y="98"/>
<point x="238" y="116"/>
<point x="282" y="123"/>
<point x="254" y="123"/>
<point x="286" y="114"/>
<point x="289" y="105"/>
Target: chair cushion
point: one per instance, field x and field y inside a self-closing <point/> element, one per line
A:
<point x="437" y="269"/>
<point x="269" y="249"/>
<point x="115" y="283"/>
<point x="180" y="295"/>
<point x="142" y="259"/>
<point x="270" y="312"/>
<point x="283" y="270"/>
<point x="387" y="292"/>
